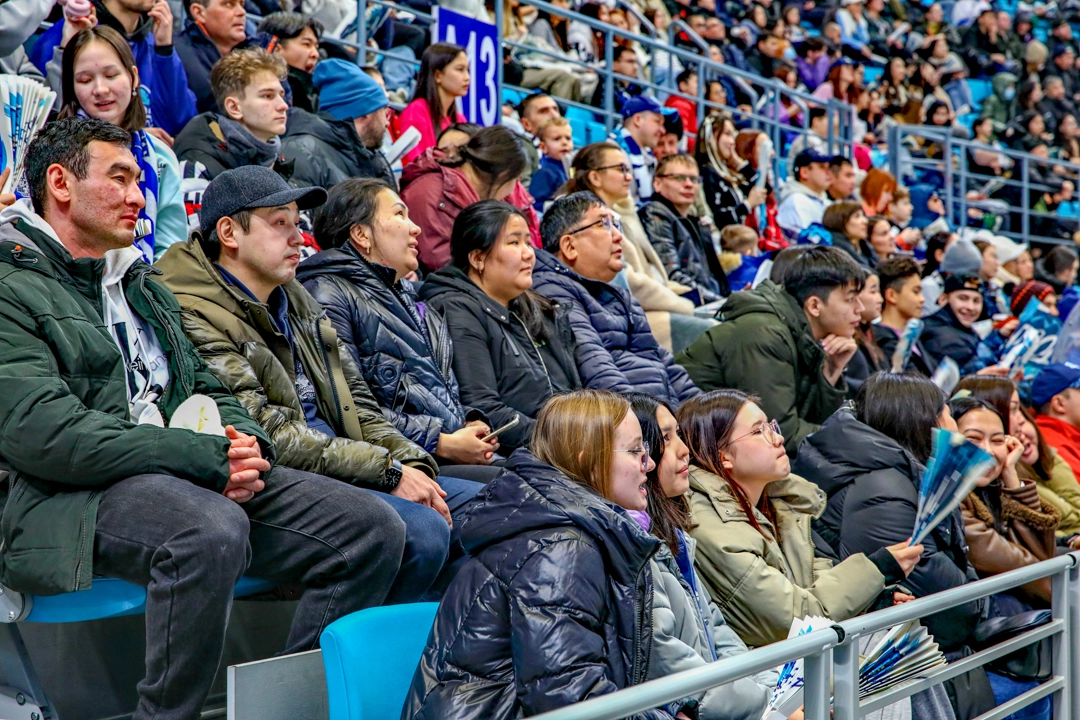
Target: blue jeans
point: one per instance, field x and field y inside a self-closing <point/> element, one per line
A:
<point x="429" y="543"/>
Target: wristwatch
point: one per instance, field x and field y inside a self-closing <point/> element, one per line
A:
<point x="393" y="474"/>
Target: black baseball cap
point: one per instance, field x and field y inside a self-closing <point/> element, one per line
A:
<point x="249" y="188"/>
<point x="810" y="156"/>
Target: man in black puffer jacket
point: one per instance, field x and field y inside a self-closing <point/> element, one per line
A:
<point x="343" y="139"/>
<point x="872" y="487"/>
<point x="555" y="606"/>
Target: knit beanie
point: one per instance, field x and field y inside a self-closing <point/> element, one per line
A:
<point x="346" y="91"/>
<point x="1025" y="292"/>
<point x="962" y="257"/>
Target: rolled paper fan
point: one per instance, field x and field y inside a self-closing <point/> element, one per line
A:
<point x="26" y="108"/>
<point x="787" y="694"/>
<point x="906" y="652"/>
<point x="906" y="344"/>
<point x="955" y="466"/>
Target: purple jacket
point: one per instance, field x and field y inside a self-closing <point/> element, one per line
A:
<point x="813" y="74"/>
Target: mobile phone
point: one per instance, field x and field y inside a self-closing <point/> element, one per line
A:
<point x="495" y="433"/>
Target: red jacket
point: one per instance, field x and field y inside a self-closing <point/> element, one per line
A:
<point x="436" y="195"/>
<point x="1063" y="437"/>
<point x="687" y="110"/>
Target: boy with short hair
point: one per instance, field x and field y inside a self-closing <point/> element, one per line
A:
<point x="901" y="288"/>
<point x="556" y="144"/>
<point x="949" y="332"/>
<point x="739" y="255"/>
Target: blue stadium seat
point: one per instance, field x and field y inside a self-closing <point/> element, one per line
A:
<point x="370" y="657"/>
<point x="980" y="90"/>
<point x="108" y="598"/>
<point x="597" y="132"/>
<point x="579" y="124"/>
<point x="872" y="74"/>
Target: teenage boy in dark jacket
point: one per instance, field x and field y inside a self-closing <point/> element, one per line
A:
<point x="99" y="486"/>
<point x="949" y="332"/>
<point x="271" y="343"/>
<point x="901" y="288"/>
<point x="615" y="348"/>
<point x="345" y="139"/>
<point x="787" y="344"/>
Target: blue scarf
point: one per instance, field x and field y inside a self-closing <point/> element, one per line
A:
<point x="148" y="184"/>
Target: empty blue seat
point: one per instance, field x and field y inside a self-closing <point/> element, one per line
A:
<point x="872" y="74"/>
<point x="370" y="657"/>
<point x="108" y="598"/>
<point x="980" y="90"/>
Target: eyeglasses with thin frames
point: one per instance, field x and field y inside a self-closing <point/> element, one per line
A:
<point x="680" y="178"/>
<point x="622" y="167"/>
<point x="644" y="450"/>
<point x="769" y="430"/>
<point x="610" y="222"/>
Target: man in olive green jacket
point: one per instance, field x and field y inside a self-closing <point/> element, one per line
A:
<point x="787" y="345"/>
<point x="93" y="365"/>
<point x="271" y="343"/>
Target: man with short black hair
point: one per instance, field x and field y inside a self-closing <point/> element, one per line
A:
<point x="624" y="62"/>
<point x="534" y="111"/>
<point x="272" y="344"/>
<point x="295" y="37"/>
<point x="817" y="137"/>
<point x="949" y="332"/>
<point x="842" y="185"/>
<point x="787" y="344"/>
<point x="616" y="350"/>
<point x="345" y="139"/>
<point x="109" y="482"/>
<point x="214" y="29"/>
<point x="687" y="82"/>
<point x="901" y="288"/>
<point x="802" y="197"/>
<point x="764" y="59"/>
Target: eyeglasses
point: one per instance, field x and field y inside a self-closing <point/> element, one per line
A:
<point x="609" y="222"/>
<point x="644" y="452"/>
<point x="694" y="179"/>
<point x="621" y="167"/>
<point x="769" y="430"/>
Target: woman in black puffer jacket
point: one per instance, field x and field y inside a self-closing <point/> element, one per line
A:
<point x="555" y="605"/>
<point x="870" y="462"/>
<point x="512" y="349"/>
<point x="402" y="348"/>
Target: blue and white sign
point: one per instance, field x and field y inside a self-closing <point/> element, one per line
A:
<point x="481" y="43"/>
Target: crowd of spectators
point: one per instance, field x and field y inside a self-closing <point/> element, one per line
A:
<point x="485" y="366"/>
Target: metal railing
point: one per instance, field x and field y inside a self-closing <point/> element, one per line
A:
<point x="933" y="155"/>
<point x="831" y="657"/>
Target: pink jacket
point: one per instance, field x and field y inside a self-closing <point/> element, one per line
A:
<point x="436" y="195"/>
<point x="417" y="115"/>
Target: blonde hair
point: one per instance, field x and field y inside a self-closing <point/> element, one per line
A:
<point x="575" y="433"/>
<point x="233" y="73"/>
<point x="556" y="122"/>
<point x="738" y="238"/>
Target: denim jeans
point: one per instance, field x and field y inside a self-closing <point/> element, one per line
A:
<point x="188" y="546"/>
<point x="430" y="545"/>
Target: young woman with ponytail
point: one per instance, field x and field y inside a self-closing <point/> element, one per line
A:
<point x="755" y="548"/>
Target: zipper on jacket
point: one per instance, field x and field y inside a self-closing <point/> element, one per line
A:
<point x="330" y="374"/>
<point x="642" y="646"/>
<point x="543" y="365"/>
<point x="420" y="326"/>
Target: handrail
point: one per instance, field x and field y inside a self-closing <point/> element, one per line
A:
<point x="677" y="24"/>
<point x="632" y="9"/>
<point x="832" y="656"/>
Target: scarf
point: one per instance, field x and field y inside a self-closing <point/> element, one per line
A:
<point x="145" y="156"/>
<point x="242" y="141"/>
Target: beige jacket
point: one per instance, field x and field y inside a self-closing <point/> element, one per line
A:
<point x="645" y="274"/>
<point x="760" y="585"/>
<point x="1062" y="492"/>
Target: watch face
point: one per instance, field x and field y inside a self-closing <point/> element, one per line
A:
<point x="393" y="473"/>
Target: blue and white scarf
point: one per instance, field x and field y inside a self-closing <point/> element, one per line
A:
<point x="144" y="154"/>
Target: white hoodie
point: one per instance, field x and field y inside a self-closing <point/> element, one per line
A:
<point x="146" y="365"/>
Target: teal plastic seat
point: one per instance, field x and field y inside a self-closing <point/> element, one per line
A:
<point x="108" y="598"/>
<point x="370" y="658"/>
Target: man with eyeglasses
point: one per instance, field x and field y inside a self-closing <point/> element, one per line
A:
<point x="803" y="197"/>
<point x="643" y="126"/>
<point x="682" y="241"/>
<point x="616" y="349"/>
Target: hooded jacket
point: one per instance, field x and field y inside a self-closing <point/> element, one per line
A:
<point x="326" y="151"/>
<point x="996" y="106"/>
<point x="799" y="206"/>
<point x="761" y="585"/>
<point x="764" y="346"/>
<point x="502" y="370"/>
<point x="943" y="335"/>
<point x="436" y="194"/>
<point x="872" y="488"/>
<point x="1061" y="491"/>
<point x="64" y="405"/>
<point x="689" y="632"/>
<point x="615" y="348"/>
<point x="199" y="53"/>
<point x="685" y="247"/>
<point x="554" y="607"/>
<point x="1018" y="533"/>
<point x="239" y="341"/>
<point x="403" y="350"/>
<point x="161" y="72"/>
